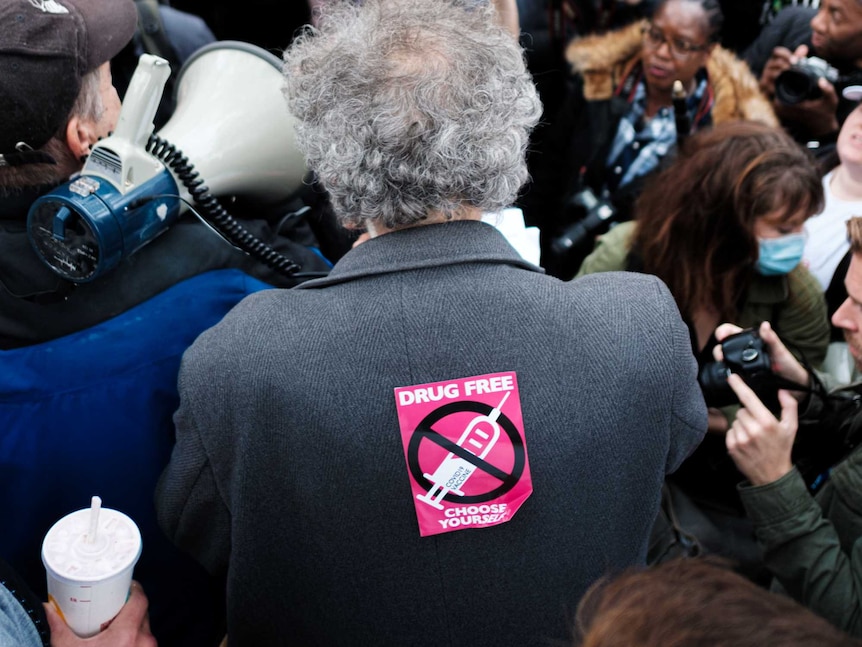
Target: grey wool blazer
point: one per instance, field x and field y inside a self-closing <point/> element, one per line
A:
<point x="292" y="475"/>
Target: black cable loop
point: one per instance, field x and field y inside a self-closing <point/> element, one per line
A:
<point x="217" y="216"/>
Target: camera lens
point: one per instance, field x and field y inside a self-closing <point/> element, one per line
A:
<point x="573" y="236"/>
<point x="793" y="86"/>
<point x="713" y="384"/>
<point x="713" y="375"/>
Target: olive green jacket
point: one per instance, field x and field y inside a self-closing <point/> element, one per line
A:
<point x="813" y="545"/>
<point x="793" y="304"/>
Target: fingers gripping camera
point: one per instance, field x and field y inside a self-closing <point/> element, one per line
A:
<point x="745" y="354"/>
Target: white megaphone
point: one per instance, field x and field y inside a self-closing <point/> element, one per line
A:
<point x="230" y="134"/>
<point x="232" y="122"/>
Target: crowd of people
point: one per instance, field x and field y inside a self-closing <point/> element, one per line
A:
<point x="423" y="433"/>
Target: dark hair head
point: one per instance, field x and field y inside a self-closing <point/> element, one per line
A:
<point x="696" y="601"/>
<point x="45" y="51"/>
<point x="714" y="16"/>
<point x="696" y="217"/>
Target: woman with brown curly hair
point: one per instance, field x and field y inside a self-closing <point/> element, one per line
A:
<point x="721" y="225"/>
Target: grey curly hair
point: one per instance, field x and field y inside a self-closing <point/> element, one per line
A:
<point x="411" y="107"/>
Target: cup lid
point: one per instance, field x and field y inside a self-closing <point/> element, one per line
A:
<point x="853" y="93"/>
<point x="68" y="555"/>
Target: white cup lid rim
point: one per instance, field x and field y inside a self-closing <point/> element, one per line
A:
<point x="852" y="92"/>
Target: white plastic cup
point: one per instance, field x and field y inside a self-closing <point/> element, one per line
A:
<point x="88" y="581"/>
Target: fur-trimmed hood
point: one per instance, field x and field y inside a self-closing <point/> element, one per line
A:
<point x="602" y="60"/>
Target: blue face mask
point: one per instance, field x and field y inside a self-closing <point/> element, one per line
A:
<point x="780" y="255"/>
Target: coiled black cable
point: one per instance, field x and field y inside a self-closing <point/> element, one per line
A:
<point x="214" y="213"/>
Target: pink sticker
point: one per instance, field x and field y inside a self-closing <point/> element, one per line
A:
<point x="466" y="452"/>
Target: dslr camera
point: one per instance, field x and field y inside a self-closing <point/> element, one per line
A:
<point x="746" y="355"/>
<point x="575" y="242"/>
<point x="799" y="83"/>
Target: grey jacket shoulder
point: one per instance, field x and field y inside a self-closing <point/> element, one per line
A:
<point x="288" y="404"/>
<point x="632" y="288"/>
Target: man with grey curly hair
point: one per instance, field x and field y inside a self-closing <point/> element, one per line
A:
<point x="409" y="112"/>
<point x="437" y="443"/>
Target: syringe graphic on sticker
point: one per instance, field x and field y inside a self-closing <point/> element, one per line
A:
<point x="454" y="471"/>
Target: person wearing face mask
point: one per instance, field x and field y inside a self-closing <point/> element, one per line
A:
<point x="620" y="119"/>
<point x="722" y="226"/>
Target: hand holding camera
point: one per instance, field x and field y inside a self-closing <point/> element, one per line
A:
<point x="759" y="358"/>
<point x="759" y="444"/>
<point x="783" y="363"/>
<point x="780" y="60"/>
<point x="802" y="80"/>
<point x="751" y="361"/>
<point x="816" y="115"/>
<point x="802" y="89"/>
<point x="748" y="363"/>
<point x="765" y="438"/>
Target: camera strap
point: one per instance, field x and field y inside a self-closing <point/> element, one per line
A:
<point x="781" y="383"/>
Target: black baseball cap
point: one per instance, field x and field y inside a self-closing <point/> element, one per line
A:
<point x="46" y="48"/>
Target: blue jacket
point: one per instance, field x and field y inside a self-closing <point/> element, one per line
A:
<point x="90" y="414"/>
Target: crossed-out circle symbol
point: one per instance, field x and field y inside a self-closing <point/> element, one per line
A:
<point x="424" y="430"/>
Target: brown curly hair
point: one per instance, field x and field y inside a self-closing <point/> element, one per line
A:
<point x="696" y="217"/>
<point x="696" y="602"/>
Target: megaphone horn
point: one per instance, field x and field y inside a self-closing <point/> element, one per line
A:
<point x="230" y="134"/>
<point x="232" y="123"/>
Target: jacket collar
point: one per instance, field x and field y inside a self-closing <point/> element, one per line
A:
<point x="768" y="290"/>
<point x="424" y="246"/>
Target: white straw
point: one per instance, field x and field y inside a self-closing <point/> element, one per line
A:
<point x="95" y="505"/>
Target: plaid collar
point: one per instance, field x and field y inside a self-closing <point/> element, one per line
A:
<point x="639" y="145"/>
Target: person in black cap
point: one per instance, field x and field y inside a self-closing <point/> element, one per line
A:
<point x="88" y="377"/>
<point x="52" y="54"/>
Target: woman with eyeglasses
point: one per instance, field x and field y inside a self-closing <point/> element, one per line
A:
<point x="619" y="120"/>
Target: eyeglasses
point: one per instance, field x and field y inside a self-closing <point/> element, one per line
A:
<point x="679" y="49"/>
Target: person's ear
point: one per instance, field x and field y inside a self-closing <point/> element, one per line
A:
<point x="80" y="136"/>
